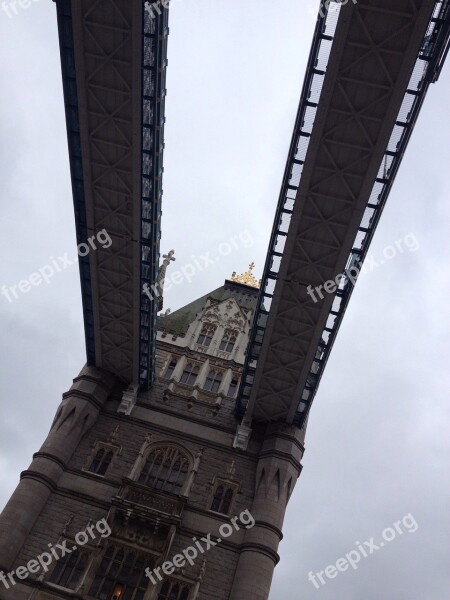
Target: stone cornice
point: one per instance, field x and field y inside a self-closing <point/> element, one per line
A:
<point x="283" y="456"/>
<point x="189" y="508"/>
<point x="39" y="477"/>
<point x="98" y="379"/>
<point x="188" y="352"/>
<point x="201" y="441"/>
<point x="109" y="481"/>
<point x="85" y="396"/>
<point x="261" y="549"/>
<point x="55" y="590"/>
<point x="270" y="527"/>
<point x="287" y="437"/>
<point x="54" y="459"/>
<point x="67" y="493"/>
<point x="183" y="417"/>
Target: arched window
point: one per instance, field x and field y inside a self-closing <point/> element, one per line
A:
<point x="173" y="591"/>
<point x="121" y="575"/>
<point x="228" y="340"/>
<point x="170" y="368"/>
<point x="101" y="461"/>
<point x="206" y="334"/>
<point x="213" y="381"/>
<point x="189" y="374"/>
<point x="222" y="499"/>
<point x="233" y="387"/>
<point x="165" y="469"/>
<point x="69" y="569"/>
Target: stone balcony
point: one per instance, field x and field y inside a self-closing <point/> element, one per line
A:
<point x="146" y="517"/>
<point x="149" y="503"/>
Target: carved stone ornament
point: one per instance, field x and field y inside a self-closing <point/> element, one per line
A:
<point x="151" y="537"/>
<point x="242" y="436"/>
<point x="128" y="401"/>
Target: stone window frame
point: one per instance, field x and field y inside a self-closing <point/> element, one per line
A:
<point x="217" y="372"/>
<point x="63" y="562"/>
<point x="167" y="445"/>
<point x="172" y="581"/>
<point x="150" y="559"/>
<point x="195" y="365"/>
<point x="95" y="557"/>
<point x="230" y="336"/>
<point x="165" y="370"/>
<point x="95" y="448"/>
<point x="208" y="331"/>
<point x="227" y="483"/>
<point x="236" y="377"/>
<point x="94" y="551"/>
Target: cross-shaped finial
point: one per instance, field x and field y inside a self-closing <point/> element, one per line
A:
<point x="251" y="266"/>
<point x="168" y="257"/>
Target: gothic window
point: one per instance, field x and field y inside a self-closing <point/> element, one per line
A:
<point x="228" y="340"/>
<point x="165" y="469"/>
<point x="233" y="387"/>
<point x="174" y="591"/>
<point x="206" y="334"/>
<point x="213" y="381"/>
<point x="170" y="368"/>
<point x="101" y="461"/>
<point x="121" y="575"/>
<point x="69" y="569"/>
<point x="222" y="499"/>
<point x="189" y="374"/>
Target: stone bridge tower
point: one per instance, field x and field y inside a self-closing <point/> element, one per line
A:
<point x="131" y="491"/>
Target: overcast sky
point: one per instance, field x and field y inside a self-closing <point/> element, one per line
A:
<point x="377" y="442"/>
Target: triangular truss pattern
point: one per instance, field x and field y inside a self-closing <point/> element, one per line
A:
<point x="114" y="92"/>
<point x="359" y="70"/>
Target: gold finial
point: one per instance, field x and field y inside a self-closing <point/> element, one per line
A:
<point x="246" y="278"/>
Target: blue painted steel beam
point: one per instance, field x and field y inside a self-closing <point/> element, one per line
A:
<point x="154" y="65"/>
<point x="66" y="47"/>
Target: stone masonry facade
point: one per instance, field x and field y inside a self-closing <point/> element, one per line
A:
<point x="188" y="414"/>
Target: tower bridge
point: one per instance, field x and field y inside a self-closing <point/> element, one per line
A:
<point x="180" y="424"/>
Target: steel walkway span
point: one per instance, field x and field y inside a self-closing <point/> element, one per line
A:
<point x="114" y="56"/>
<point x="370" y="66"/>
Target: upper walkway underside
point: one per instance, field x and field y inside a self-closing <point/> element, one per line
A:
<point x="370" y="66"/>
<point x="113" y="56"/>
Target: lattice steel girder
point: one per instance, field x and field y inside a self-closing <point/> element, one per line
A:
<point x="372" y="58"/>
<point x="107" y="57"/>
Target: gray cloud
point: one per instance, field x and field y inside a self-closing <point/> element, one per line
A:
<point x="376" y="442"/>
